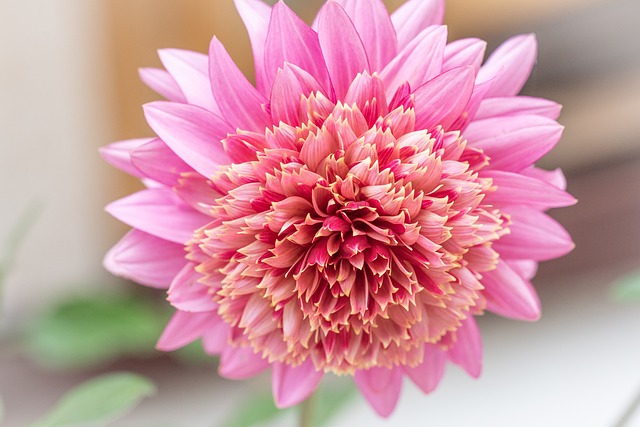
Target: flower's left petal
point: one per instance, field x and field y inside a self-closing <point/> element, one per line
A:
<point x="145" y="259"/>
<point x="240" y="363"/>
<point x="511" y="64"/>
<point x="158" y="162"/>
<point x="427" y="375"/>
<point x="341" y="47"/>
<point x="256" y="15"/>
<point x="291" y="83"/>
<point x="464" y="52"/>
<point x="381" y="387"/>
<point x="162" y="83"/>
<point x="441" y="100"/>
<point x="184" y="328"/>
<point x="510" y="295"/>
<point x="414" y="16"/>
<point x="292" y="385"/>
<point x="160" y="213"/>
<point x="373" y="23"/>
<point x="118" y="154"/>
<point x="187" y="294"/>
<point x="467" y="350"/>
<point x="191" y="132"/>
<point x="518" y="189"/>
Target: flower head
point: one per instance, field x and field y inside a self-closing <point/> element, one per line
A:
<point x="353" y="211"/>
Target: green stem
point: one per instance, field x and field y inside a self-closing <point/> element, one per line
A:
<point x="307" y="411"/>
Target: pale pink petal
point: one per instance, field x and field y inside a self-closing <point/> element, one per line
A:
<point x="441" y="100"/>
<point x="191" y="132"/>
<point x="118" y="154"/>
<point x="381" y="387"/>
<point x="518" y="105"/>
<point x="373" y="23"/>
<point x="216" y="338"/>
<point x="190" y="70"/>
<point x="196" y="192"/>
<point x="240" y="103"/>
<point x="526" y="268"/>
<point x="516" y="142"/>
<point x="554" y="177"/>
<point x="464" y="52"/>
<point x="184" y="328"/>
<point x="158" y="162"/>
<point x="534" y="235"/>
<point x="341" y="47"/>
<point x="419" y="62"/>
<point x="291" y="83"/>
<point x="467" y="350"/>
<point x="145" y="259"/>
<point x="291" y="40"/>
<point x="240" y="363"/>
<point x="517" y="189"/>
<point x="510" y="64"/>
<point x="256" y="15"/>
<point x="428" y="374"/>
<point x="162" y="83"/>
<point x="291" y="385"/>
<point x="187" y="294"/>
<point x="468" y="112"/>
<point x="510" y="295"/>
<point x="414" y="16"/>
<point x="159" y="212"/>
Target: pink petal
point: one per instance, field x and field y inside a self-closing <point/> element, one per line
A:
<point x="510" y="295"/>
<point x="554" y="177"/>
<point x="197" y="192"/>
<point x="159" y="163"/>
<point x="145" y="259"/>
<point x="468" y="112"/>
<point x="187" y="294"/>
<point x="291" y="40"/>
<point x="517" y="189"/>
<point x="190" y="70"/>
<point x="184" y="328"/>
<point x="162" y="83"/>
<point x="467" y="350"/>
<point x="374" y="26"/>
<point x="511" y="64"/>
<point x="240" y="363"/>
<point x="160" y="213"/>
<point x="291" y="83"/>
<point x="441" y="100"/>
<point x="514" y="142"/>
<point x="518" y="105"/>
<point x="256" y="15"/>
<point x="525" y="268"/>
<point x="464" y="52"/>
<point x="118" y="154"/>
<point x="414" y="16"/>
<point x="381" y="387"/>
<point x="534" y="235"/>
<point x="292" y="385"/>
<point x="341" y="47"/>
<point x="419" y="62"/>
<point x="240" y="103"/>
<point x="428" y="374"/>
<point x="216" y="338"/>
<point x="191" y="132"/>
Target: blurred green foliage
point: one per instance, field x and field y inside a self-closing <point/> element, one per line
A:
<point x="628" y="287"/>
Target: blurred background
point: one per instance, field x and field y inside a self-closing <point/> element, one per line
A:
<point x="69" y="84"/>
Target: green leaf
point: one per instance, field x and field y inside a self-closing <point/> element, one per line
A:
<point x="99" y="400"/>
<point x="628" y="287"/>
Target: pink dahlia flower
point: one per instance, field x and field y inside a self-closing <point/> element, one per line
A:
<point x="355" y="210"/>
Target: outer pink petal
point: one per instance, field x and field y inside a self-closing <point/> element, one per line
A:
<point x="191" y="132"/>
<point x="419" y="62"/>
<point x="526" y="268"/>
<point x="160" y="213"/>
<point x="184" y="328"/>
<point x="510" y="295"/>
<point x="190" y="70"/>
<point x="381" y="387"/>
<point x="514" y="142"/>
<point x="518" y="105"/>
<point x="256" y="15"/>
<point x="441" y="100"/>
<point x="291" y="40"/>
<point x="158" y="162"/>
<point x="372" y="21"/>
<point x="118" y="154"/>
<point x="341" y="47"/>
<point x="145" y="259"/>
<point x="555" y="177"/>
<point x="464" y="52"/>
<point x="511" y="64"/>
<point x="240" y="103"/>
<point x="216" y="338"/>
<point x="517" y="189"/>
<point x="468" y="112"/>
<point x="534" y="235"/>
<point x="428" y="374"/>
<point x="197" y="193"/>
<point x="239" y="363"/>
<point x="292" y="385"/>
<point x="187" y="294"/>
<point x="414" y="16"/>
<point x="163" y="83"/>
<point x="467" y="350"/>
<point x="291" y="83"/>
